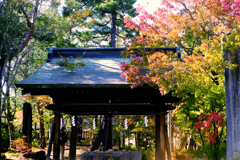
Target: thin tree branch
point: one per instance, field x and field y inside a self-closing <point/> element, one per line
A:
<point x="190" y="13"/>
<point x="29" y="24"/>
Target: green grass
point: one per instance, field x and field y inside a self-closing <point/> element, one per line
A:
<point x="12" y="154"/>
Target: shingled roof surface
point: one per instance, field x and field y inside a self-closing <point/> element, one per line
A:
<point x="102" y="70"/>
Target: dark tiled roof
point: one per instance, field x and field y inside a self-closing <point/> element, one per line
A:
<point x="102" y="70"/>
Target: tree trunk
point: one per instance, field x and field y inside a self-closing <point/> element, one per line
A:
<point x="41" y="129"/>
<point x="167" y="144"/>
<point x="9" y="115"/>
<point x="232" y="94"/>
<point x="113" y="31"/>
<point x="1" y="75"/>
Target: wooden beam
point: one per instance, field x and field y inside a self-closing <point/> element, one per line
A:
<point x="56" y="147"/>
<point x="114" y="108"/>
<point x="160" y="146"/>
<point x="102" y="95"/>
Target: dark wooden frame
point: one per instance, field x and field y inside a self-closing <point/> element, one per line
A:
<point x="119" y="99"/>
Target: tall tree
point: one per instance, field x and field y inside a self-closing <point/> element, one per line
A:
<point x="208" y="33"/>
<point x="17" y="27"/>
<point x="105" y="22"/>
<point x="19" y="32"/>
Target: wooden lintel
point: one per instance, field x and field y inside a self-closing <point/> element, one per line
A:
<point x="85" y="95"/>
<point x="117" y="109"/>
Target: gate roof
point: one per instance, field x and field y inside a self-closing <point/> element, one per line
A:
<point x="98" y="82"/>
<point x="102" y="69"/>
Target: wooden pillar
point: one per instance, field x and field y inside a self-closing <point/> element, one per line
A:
<point x="109" y="133"/>
<point x="50" y="142"/>
<point x="73" y="141"/>
<point x="160" y="127"/>
<point x="167" y="144"/>
<point x="56" y="147"/>
<point x="27" y="122"/>
<point x="169" y="130"/>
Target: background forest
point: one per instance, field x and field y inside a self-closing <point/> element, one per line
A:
<point x="202" y="30"/>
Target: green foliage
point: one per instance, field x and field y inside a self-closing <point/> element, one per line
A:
<point x="49" y="30"/>
<point x="35" y="143"/>
<point x="13" y="154"/>
<point x="58" y="32"/>
<point x="70" y="63"/>
<point x="211" y="152"/>
<point x="129" y="147"/>
<point x="147" y="154"/>
<point x="100" y="21"/>
<point x="5" y="140"/>
<point x="198" y="78"/>
<point x="181" y="154"/>
<point x="90" y="137"/>
<point x="11" y="28"/>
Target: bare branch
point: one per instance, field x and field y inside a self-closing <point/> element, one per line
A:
<point x="120" y="36"/>
<point x="29" y="24"/>
<point x="190" y="13"/>
<point x="187" y="50"/>
<point x="104" y="24"/>
<point x="35" y="11"/>
<point x="198" y="40"/>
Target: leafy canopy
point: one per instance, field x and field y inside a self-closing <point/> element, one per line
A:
<point x="203" y="29"/>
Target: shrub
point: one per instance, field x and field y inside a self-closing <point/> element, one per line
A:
<point x="20" y="145"/>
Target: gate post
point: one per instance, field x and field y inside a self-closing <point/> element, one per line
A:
<point x="56" y="147"/>
<point x="109" y="144"/>
<point x="27" y="122"/>
<point x="160" y="146"/>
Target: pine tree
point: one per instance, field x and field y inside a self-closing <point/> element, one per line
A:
<point x="105" y="23"/>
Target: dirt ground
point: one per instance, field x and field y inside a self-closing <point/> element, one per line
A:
<point x="80" y="150"/>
